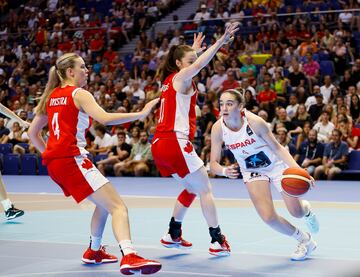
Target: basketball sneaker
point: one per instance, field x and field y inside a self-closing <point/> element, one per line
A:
<point x="311" y="220"/>
<point x="97" y="257"/>
<point x="13" y="213"/>
<point x="179" y="242"/>
<point x="134" y="264"/>
<point x="218" y="249"/>
<point x="304" y="249"/>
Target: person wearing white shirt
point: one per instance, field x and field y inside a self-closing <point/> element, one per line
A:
<point x="311" y="100"/>
<point x="217" y="79"/>
<point x="326" y="89"/>
<point x="293" y="106"/>
<point x="102" y="142"/>
<point x="324" y="127"/>
<point x="202" y="15"/>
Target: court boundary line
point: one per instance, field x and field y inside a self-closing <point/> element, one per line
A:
<point x="141" y="246"/>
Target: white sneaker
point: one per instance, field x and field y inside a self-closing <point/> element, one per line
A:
<point x="217" y="249"/>
<point x="304" y="249"/>
<point x="179" y="243"/>
<point x="311" y="220"/>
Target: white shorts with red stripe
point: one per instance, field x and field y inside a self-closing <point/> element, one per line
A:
<point x="77" y="176"/>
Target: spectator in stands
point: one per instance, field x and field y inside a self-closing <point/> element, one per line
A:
<point x="283" y="138"/>
<point x="207" y="118"/>
<point x="293" y="106"/>
<point x="102" y="142"/>
<point x="203" y="14"/>
<point x="301" y="116"/>
<point x="334" y="159"/>
<point x="285" y="121"/>
<point x="324" y="127"/>
<point x="350" y="137"/>
<point x="118" y="153"/>
<point x="248" y="70"/>
<point x="267" y="99"/>
<point x="250" y="102"/>
<point x="140" y="161"/>
<point x="355" y="107"/>
<point x="310" y="153"/>
<point x="4" y="132"/>
<point x="326" y="89"/>
<point x="311" y="70"/>
<point x="229" y="83"/>
<point x="316" y="109"/>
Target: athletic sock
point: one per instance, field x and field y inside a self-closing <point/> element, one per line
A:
<point x="95" y="243"/>
<point x="6" y="204"/>
<point x="300" y="236"/>
<point x="126" y="247"/>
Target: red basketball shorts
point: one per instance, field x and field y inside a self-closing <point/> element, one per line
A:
<point x="77" y="176"/>
<point x="174" y="155"/>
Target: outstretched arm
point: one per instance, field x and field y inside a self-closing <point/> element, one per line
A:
<point x="189" y="72"/>
<point x="10" y="114"/>
<point x="34" y="132"/>
<point x="87" y="103"/>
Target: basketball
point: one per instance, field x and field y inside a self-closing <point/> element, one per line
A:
<point x="295" y="181"/>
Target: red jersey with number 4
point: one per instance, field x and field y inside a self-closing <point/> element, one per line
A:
<point x="67" y="125"/>
<point x="177" y="110"/>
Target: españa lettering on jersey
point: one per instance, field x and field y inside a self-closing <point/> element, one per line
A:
<point x="240" y="144"/>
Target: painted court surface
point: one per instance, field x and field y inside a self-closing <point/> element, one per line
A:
<point x="50" y="238"/>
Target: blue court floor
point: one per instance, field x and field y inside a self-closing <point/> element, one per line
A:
<point x="50" y="238"/>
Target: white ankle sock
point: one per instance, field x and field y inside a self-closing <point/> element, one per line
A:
<point x="126" y="247"/>
<point x="300" y="236"/>
<point x="6" y="204"/>
<point x="95" y="243"/>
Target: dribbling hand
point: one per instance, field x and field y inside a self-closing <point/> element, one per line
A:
<point x="149" y="106"/>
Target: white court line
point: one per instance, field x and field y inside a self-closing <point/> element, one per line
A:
<point x="108" y="271"/>
<point x="155" y="247"/>
<point x="171" y="197"/>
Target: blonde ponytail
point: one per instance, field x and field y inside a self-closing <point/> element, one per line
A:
<point x="57" y="74"/>
<point x="53" y="82"/>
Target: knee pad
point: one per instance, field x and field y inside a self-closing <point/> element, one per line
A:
<point x="186" y="198"/>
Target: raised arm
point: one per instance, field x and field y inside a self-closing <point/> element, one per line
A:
<point x="189" y="72"/>
<point x="85" y="100"/>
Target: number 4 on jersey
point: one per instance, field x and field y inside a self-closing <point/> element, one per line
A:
<point x="55" y="125"/>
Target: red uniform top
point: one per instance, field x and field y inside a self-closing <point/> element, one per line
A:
<point x="177" y="110"/>
<point x="67" y="125"/>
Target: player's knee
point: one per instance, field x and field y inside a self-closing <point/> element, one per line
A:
<point x="268" y="217"/>
<point x="186" y="198"/>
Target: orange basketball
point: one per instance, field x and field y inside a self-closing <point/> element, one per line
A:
<point x="295" y="181"/>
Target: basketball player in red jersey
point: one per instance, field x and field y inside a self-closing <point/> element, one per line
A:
<point x="262" y="161"/>
<point x="172" y="149"/>
<point x="68" y="110"/>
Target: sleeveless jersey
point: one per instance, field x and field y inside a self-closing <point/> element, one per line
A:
<point x="67" y="125"/>
<point x="177" y="110"/>
<point x="251" y="151"/>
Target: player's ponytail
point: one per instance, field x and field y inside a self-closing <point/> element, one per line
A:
<point x="176" y="52"/>
<point x="57" y="74"/>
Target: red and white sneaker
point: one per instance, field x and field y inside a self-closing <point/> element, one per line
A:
<point x="134" y="264"/>
<point x="97" y="257"/>
<point x="218" y="249"/>
<point x="180" y="243"/>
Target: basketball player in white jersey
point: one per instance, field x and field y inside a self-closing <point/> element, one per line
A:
<point x="261" y="160"/>
<point x="10" y="211"/>
<point x="172" y="149"/>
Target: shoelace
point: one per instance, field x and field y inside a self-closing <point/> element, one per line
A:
<point x="300" y="248"/>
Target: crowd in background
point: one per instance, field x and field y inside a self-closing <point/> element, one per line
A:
<point x="300" y="73"/>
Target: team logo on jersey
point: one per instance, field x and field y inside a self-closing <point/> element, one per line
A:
<point x="164" y="88"/>
<point x="249" y="131"/>
<point x="257" y="160"/>
<point x="87" y="164"/>
<point x="189" y="147"/>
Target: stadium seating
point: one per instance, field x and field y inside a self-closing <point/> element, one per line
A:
<point x="29" y="164"/>
<point x="6" y="148"/>
<point x="11" y="164"/>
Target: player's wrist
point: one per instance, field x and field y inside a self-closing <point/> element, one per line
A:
<point x="224" y="172"/>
